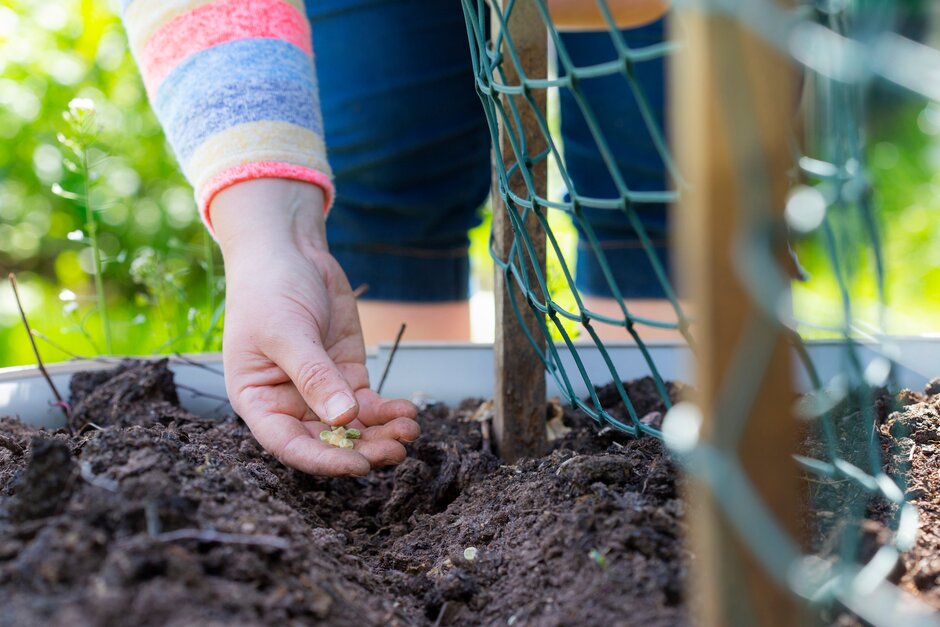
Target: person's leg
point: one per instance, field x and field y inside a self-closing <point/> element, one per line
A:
<point x="382" y="320"/>
<point x="641" y="168"/>
<point x="409" y="148"/>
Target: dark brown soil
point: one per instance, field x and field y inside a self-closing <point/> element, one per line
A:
<point x="152" y="516"/>
<point x="914" y="431"/>
<point x="908" y="432"/>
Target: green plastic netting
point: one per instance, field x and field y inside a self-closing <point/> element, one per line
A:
<point x="843" y="48"/>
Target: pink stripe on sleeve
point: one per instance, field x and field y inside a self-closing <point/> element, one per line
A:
<point x="216" y="23"/>
<point x="263" y="169"/>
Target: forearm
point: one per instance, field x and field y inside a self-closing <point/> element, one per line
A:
<point x="262" y="216"/>
<point x="572" y="15"/>
<point x="234" y="86"/>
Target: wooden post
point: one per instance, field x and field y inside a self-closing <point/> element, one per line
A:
<point x="520" y="376"/>
<point x="728" y="86"/>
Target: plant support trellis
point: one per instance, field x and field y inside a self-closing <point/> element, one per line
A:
<point x="740" y="68"/>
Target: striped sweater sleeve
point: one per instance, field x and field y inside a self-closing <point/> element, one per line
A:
<point x="234" y="86"/>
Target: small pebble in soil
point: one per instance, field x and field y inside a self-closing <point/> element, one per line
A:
<point x="340" y="437"/>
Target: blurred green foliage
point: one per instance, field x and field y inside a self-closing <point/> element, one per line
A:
<point x="162" y="273"/>
<point x="50" y="53"/>
<point x="904" y="169"/>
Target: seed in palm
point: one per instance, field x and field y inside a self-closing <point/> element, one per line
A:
<point x="340" y="437"/>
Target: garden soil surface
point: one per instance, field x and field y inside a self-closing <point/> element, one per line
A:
<point x="152" y="516"/>
<point x="149" y="515"/>
<point x="911" y="437"/>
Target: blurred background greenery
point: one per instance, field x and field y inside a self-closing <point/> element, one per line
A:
<point x="50" y="53"/>
<point x="162" y="273"/>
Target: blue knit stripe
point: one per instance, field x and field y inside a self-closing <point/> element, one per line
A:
<point x="236" y="82"/>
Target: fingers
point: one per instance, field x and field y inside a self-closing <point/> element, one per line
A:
<point x="375" y="410"/>
<point x="400" y="429"/>
<point x="320" y="383"/>
<point x="381" y="448"/>
<point x="382" y="452"/>
<point x="292" y="443"/>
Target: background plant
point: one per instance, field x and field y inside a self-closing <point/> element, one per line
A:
<point x="79" y="141"/>
<point x="51" y="53"/>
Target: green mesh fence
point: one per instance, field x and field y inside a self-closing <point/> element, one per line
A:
<point x="490" y="74"/>
<point x="844" y="48"/>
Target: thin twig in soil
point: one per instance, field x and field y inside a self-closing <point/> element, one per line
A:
<point x="359" y="291"/>
<point x="10" y="445"/>
<point x="152" y="516"/>
<point x="195" y="392"/>
<point x="565" y="463"/>
<point x="209" y="535"/>
<point x="648" y="475"/>
<point x="186" y="360"/>
<point x="391" y="356"/>
<point x="485" y="434"/>
<point x="440" y="614"/>
<point x="99" y="482"/>
<point x="223" y="401"/>
<point x="70" y="354"/>
<point x="60" y="402"/>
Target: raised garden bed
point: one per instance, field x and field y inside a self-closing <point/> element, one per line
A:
<point x="149" y="514"/>
<point x="157" y="516"/>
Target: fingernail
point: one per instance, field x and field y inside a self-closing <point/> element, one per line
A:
<point x="337" y="405"/>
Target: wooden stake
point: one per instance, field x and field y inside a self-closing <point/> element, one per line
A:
<point x="728" y="87"/>
<point x="519" y="424"/>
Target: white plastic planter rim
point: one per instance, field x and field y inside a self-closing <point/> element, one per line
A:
<point x="446" y="372"/>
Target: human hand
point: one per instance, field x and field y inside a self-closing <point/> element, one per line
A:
<point x="292" y="347"/>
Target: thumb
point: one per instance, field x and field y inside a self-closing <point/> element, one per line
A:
<point x="320" y="383"/>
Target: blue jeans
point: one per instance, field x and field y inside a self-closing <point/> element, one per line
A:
<point x="410" y="150"/>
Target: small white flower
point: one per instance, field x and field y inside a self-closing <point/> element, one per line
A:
<point x="75" y="236"/>
<point x="66" y="295"/>
<point x="82" y="104"/>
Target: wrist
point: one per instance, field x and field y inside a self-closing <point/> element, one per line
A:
<point x="261" y="214"/>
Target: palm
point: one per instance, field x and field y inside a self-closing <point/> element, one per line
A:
<point x="279" y="314"/>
